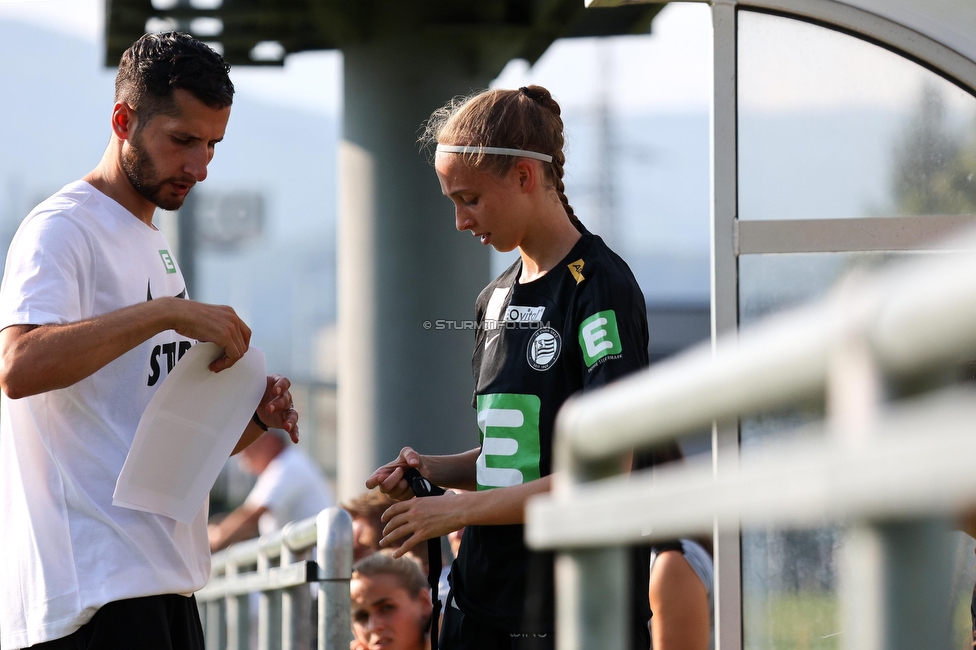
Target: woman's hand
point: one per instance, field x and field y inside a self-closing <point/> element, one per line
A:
<point x="417" y="520"/>
<point x="389" y="478"/>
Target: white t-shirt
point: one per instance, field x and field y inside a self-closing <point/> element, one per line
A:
<point x="65" y="550"/>
<point x="291" y="487"/>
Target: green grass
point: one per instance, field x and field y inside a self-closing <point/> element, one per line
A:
<point x="962" y="624"/>
<point x="805" y="621"/>
<point x="811" y="621"/>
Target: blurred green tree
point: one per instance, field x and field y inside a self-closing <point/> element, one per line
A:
<point x="935" y="164"/>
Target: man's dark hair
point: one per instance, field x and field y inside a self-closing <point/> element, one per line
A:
<point x="157" y="64"/>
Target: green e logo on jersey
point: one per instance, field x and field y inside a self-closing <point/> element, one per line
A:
<point x="510" y="452"/>
<point x="598" y="336"/>
<point x="167" y="261"/>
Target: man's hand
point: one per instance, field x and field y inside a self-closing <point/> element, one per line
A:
<point x="218" y="324"/>
<point x="389" y="478"/>
<point x="420" y="519"/>
<point x="277" y="409"/>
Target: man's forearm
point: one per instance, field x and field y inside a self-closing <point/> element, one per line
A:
<point x="36" y="359"/>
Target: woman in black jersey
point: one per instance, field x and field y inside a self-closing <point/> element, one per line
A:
<point x="567" y="316"/>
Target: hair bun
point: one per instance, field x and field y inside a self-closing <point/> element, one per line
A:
<point x="541" y="96"/>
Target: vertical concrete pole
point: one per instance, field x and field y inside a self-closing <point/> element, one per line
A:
<point x="401" y="264"/>
<point x="186" y="243"/>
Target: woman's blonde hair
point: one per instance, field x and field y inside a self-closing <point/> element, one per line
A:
<point x="527" y="119"/>
<point x="406" y="571"/>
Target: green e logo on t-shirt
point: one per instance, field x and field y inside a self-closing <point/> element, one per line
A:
<point x="167" y="261"/>
<point x="510" y="450"/>
<point x="598" y="336"/>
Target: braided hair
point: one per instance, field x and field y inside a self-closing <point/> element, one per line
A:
<point x="527" y="118"/>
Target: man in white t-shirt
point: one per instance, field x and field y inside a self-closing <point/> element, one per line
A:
<point x="93" y="315"/>
<point x="290" y="487"/>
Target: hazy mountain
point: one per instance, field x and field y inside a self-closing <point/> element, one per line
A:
<point x="57" y="98"/>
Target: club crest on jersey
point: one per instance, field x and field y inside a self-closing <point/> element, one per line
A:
<point x="543" y="349"/>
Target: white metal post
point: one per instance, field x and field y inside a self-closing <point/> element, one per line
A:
<point x="725" y="308"/>
<point x="895" y="579"/>
<point x="215" y="625"/>
<point x="238" y="616"/>
<point x="895" y="575"/>
<point x="592" y="604"/>
<point x="334" y="557"/>
<point x="295" y="602"/>
<point x="592" y="584"/>
<point x="269" y="607"/>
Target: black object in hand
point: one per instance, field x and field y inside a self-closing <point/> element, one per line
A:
<point x="424" y="488"/>
<point x="421" y="486"/>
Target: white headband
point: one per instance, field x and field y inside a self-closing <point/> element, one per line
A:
<point x="501" y="151"/>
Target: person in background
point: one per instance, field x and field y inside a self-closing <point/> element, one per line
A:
<point x="391" y="606"/>
<point x="454" y="537"/>
<point x="290" y="487"/>
<point x="366" y="511"/>
<point x="680" y="595"/>
<point x="367" y="527"/>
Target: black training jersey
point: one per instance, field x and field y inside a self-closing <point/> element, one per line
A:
<point x="580" y="326"/>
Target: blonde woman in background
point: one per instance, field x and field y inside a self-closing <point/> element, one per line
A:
<point x="391" y="605"/>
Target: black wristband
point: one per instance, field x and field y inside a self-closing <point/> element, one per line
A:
<point x="256" y="420"/>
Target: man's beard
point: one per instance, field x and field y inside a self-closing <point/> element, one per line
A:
<point x="141" y="171"/>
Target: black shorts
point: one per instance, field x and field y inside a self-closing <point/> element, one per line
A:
<point x="460" y="632"/>
<point x="167" y="622"/>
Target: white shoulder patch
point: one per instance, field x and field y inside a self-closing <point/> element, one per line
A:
<point x="497" y="302"/>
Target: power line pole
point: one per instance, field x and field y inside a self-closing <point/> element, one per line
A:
<point x="606" y="146"/>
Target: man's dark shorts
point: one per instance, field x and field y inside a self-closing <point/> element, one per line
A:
<point x="168" y="622"/>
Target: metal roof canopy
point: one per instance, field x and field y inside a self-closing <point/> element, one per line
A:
<point x="950" y="23"/>
<point x="488" y="32"/>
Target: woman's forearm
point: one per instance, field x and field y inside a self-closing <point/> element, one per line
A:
<point x="453" y="471"/>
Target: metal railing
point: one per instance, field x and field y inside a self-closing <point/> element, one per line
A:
<point x="895" y="461"/>
<point x="284" y="609"/>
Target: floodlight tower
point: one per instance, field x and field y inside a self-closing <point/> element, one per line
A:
<point x="399" y="263"/>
